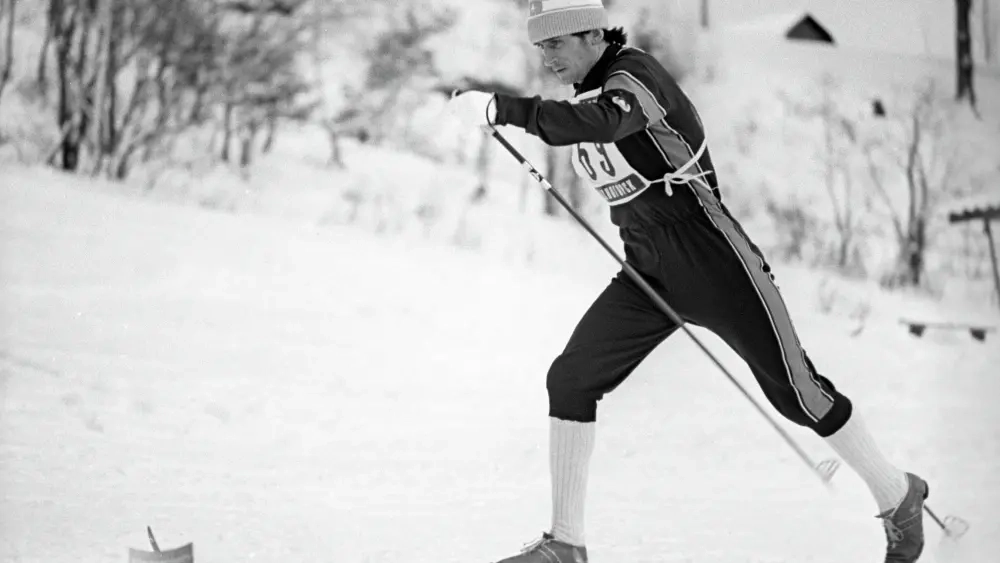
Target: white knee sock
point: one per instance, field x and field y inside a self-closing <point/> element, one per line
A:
<point x="856" y="445"/>
<point x="570" y="447"/>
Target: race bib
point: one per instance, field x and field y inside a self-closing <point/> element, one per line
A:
<point x="603" y="167"/>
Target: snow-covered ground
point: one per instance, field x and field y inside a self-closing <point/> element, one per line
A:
<point x="275" y="390"/>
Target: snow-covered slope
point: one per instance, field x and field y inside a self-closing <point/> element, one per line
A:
<point x="277" y="391"/>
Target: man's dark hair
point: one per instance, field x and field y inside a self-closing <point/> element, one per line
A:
<point x="615" y="36"/>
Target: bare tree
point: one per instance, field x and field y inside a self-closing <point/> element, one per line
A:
<point x="8" y="9"/>
<point x="795" y="226"/>
<point x="841" y="190"/>
<point x="839" y="143"/>
<point x="261" y="81"/>
<point x="134" y="76"/>
<point x="837" y="177"/>
<point x="335" y="121"/>
<point x="173" y="53"/>
<point x="916" y="154"/>
<point x="67" y="19"/>
<point x="397" y="59"/>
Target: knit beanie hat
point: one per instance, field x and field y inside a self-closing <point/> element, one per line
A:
<point x="552" y="18"/>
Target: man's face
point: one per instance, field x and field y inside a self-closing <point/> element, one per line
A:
<point x="571" y="57"/>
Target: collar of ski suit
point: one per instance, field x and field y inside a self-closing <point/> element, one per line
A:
<point x="595" y="78"/>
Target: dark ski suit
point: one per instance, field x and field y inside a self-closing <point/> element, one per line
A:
<point x="631" y="126"/>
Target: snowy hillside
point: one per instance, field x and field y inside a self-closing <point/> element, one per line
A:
<point x="748" y="91"/>
<point x="277" y="390"/>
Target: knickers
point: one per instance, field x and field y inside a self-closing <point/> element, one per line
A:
<point x="707" y="269"/>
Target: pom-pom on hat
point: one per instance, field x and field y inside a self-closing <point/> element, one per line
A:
<point x="552" y="18"/>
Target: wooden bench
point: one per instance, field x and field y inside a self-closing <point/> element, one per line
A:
<point x="977" y="331"/>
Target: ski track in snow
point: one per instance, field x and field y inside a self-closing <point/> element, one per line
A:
<point x="278" y="392"/>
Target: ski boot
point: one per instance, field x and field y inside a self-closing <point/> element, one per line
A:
<point x="904" y="529"/>
<point x="547" y="549"/>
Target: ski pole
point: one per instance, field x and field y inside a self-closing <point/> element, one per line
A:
<point x="152" y="539"/>
<point x="823" y="470"/>
<point x="953" y="526"/>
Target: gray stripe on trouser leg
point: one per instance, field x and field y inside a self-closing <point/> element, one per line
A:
<point x="813" y="399"/>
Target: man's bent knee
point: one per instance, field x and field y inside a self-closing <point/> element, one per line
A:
<point x="569" y="399"/>
<point x="835" y="418"/>
<point x="826" y="423"/>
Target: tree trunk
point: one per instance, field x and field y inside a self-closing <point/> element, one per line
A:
<point x="988" y="32"/>
<point x="121" y="168"/>
<point x="114" y="35"/>
<point x="988" y="231"/>
<point x="830" y="174"/>
<point x="914" y="246"/>
<point x="909" y="249"/>
<point x="83" y="95"/>
<point x="246" y="150"/>
<point x="963" y="54"/>
<point x="8" y="45"/>
<point x="483" y="167"/>
<point x="336" y="155"/>
<point x="272" y="128"/>
<point x="227" y="131"/>
<point x="98" y="105"/>
<point x="915" y="250"/>
<point x="553" y="176"/>
<point x="571" y="180"/>
<point x="41" y="76"/>
<point x="844" y="222"/>
<point x="575" y="187"/>
<point x="847" y="233"/>
<point x="246" y="143"/>
<point x="70" y="148"/>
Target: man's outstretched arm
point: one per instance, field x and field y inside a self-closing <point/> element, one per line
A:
<point x="558" y="123"/>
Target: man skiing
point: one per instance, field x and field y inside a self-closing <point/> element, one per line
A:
<point x="639" y="142"/>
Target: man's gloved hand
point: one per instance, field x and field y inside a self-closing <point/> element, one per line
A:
<point x="473" y="108"/>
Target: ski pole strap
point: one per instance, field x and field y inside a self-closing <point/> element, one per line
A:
<point x="489" y="129"/>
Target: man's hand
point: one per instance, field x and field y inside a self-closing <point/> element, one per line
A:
<point x="473" y="108"/>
